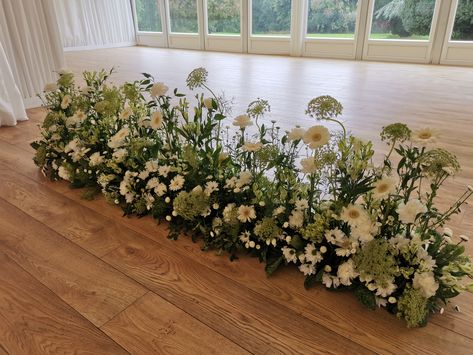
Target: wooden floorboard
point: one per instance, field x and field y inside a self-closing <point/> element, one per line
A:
<point x="93" y="288"/>
<point x="33" y="320"/>
<point x="155" y="326"/>
<point x="229" y="305"/>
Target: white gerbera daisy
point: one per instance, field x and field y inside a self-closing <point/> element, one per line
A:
<point x="252" y="147"/>
<point x="296" y="134"/>
<point x="316" y="136"/>
<point x="424" y="136"/>
<point x="246" y="213"/>
<point x="354" y="215"/>
<point x="156" y="120"/>
<point x="126" y="113"/>
<point x="176" y="183"/>
<point x="384" y="187"/>
<point x="242" y="121"/>
<point x="308" y="165"/>
<point x="158" y="89"/>
<point x="409" y="211"/>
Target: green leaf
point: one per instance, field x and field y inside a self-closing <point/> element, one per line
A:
<point x="366" y="297"/>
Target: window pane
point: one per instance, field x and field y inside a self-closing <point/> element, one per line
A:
<point x="183" y="15"/>
<point x="271" y="17"/>
<point x="223" y="16"/>
<point x="148" y="16"/>
<point x="332" y="18"/>
<point x="402" y="19"/>
<point x="463" y="28"/>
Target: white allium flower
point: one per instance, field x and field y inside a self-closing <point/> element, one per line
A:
<point x="156" y="120"/>
<point x="242" y="121"/>
<point x="384" y="187"/>
<point x="316" y="136"/>
<point x="408" y="211"/>
<point x="66" y="101"/>
<point x="158" y="89"/>
<point x="289" y="254"/>
<point x="252" y="147"/>
<point x="295" y="134"/>
<point x="308" y="165"/>
<point x="346" y="272"/>
<point x="354" y="215"/>
<point x="424" y="136"/>
<point x="307" y="269"/>
<point x="177" y="183"/>
<point x="425" y="282"/>
<point x="246" y="213"/>
<point x="96" y="159"/>
<point x="50" y="87"/>
<point x="296" y="219"/>
<point x="126" y="113"/>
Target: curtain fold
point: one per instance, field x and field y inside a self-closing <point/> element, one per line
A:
<point x="95" y="23"/>
<point x="11" y="102"/>
<point x="30" y="40"/>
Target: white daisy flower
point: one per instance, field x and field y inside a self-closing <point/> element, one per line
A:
<point x="316" y="136"/>
<point x="246" y="213"/>
<point x="176" y="183"/>
<point x="384" y="187"/>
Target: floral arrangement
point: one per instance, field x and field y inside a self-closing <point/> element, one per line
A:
<point x="308" y="197"/>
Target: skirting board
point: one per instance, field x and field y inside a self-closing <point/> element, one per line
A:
<point x="111" y="45"/>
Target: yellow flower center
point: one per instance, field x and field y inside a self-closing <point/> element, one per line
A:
<point x="383" y="187"/>
<point x="354" y="214"/>
<point x="425" y="135"/>
<point x="316" y="137"/>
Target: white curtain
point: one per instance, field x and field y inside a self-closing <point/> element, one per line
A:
<point x="95" y="23"/>
<point x="11" y="102"/>
<point x="31" y="45"/>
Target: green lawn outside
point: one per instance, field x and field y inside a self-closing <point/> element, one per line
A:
<point x="333" y="35"/>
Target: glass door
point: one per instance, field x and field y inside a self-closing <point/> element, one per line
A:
<point x="458" y="46"/>
<point x="225" y="28"/>
<point x="149" y="22"/>
<point x="331" y="28"/>
<point x="401" y="30"/>
<point x="185" y="24"/>
<point x="269" y="23"/>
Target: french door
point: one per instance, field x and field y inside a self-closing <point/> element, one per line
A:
<point x="421" y="31"/>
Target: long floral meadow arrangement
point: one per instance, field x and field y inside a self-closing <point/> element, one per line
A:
<point x="308" y="197"/>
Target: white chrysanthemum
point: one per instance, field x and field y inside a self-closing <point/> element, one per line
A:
<point x="119" y="155"/>
<point x="316" y="136"/>
<point x="301" y="205"/>
<point x="156" y="120"/>
<point x="210" y="187"/>
<point x="143" y="175"/>
<point x="364" y="232"/>
<point x="296" y="219"/>
<point x="252" y="147"/>
<point x="66" y="101"/>
<point x="354" y="215"/>
<point x="244" y="179"/>
<point x="296" y="134"/>
<point x="126" y="113"/>
<point x="246" y="213"/>
<point x="77" y="118"/>
<point x="158" y="89"/>
<point x="289" y="254"/>
<point x="312" y="255"/>
<point x="335" y="236"/>
<point x="176" y="183"/>
<point x="424" y="136"/>
<point x="227" y="212"/>
<point x="96" y="159"/>
<point x="308" y="165"/>
<point x="385" y="291"/>
<point x="119" y="138"/>
<point x="279" y="210"/>
<point x="242" y="121"/>
<point x="425" y="282"/>
<point x="152" y="166"/>
<point x="346" y="272"/>
<point x="427" y="263"/>
<point x="384" y="187"/>
<point x="208" y="103"/>
<point x="64" y="173"/>
<point x="307" y="269"/>
<point x="160" y="190"/>
<point x="152" y="183"/>
<point x="164" y="170"/>
<point x="50" y="87"/>
<point x="408" y="211"/>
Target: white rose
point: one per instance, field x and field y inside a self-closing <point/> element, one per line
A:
<point x="425" y="282"/>
<point x="408" y="211"/>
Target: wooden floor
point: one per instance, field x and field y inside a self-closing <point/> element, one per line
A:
<point x="77" y="277"/>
